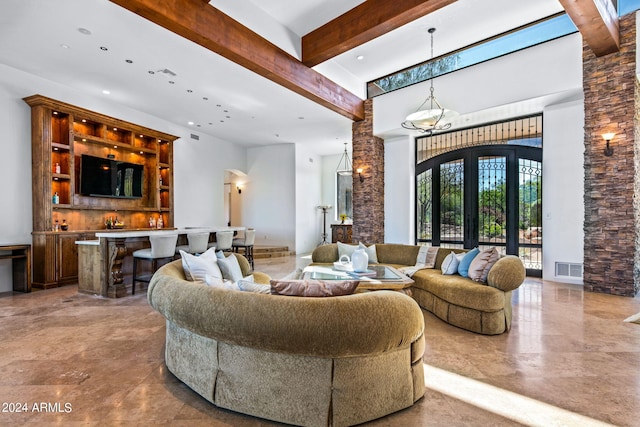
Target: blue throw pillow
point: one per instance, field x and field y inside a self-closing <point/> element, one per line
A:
<point x="463" y="267"/>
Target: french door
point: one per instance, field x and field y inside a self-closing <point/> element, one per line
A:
<point x="482" y="197"/>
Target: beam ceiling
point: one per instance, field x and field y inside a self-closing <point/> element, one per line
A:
<point x="597" y="21"/>
<point x="205" y="25"/>
<point x="361" y="24"/>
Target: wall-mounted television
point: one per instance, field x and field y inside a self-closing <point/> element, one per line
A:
<point x="110" y="178"/>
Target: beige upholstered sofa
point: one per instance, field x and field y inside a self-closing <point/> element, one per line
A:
<point x="477" y="307"/>
<point x="305" y="361"/>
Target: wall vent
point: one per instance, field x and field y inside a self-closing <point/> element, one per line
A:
<point x="568" y="269"/>
<point x="194" y="136"/>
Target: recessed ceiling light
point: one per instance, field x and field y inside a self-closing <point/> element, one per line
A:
<point x="151" y="72"/>
<point x="106" y="92"/>
<point x="84" y="120"/>
<point x="128" y="61"/>
<point x="55" y="112"/>
<point x="104" y="48"/>
<point x="84" y="31"/>
<point x="189" y="91"/>
<point x="64" y="46"/>
<point x="360" y="57"/>
<point x="190" y="123"/>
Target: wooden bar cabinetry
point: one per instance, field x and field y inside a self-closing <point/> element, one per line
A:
<point x="60" y="135"/>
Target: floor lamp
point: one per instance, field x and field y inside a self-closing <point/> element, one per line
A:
<point x="325" y="209"/>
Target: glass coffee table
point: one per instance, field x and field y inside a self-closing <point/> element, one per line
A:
<point x="378" y="277"/>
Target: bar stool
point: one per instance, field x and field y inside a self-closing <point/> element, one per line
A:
<point x="224" y="241"/>
<point x="198" y="243"/>
<point x="162" y="247"/>
<point x="246" y="244"/>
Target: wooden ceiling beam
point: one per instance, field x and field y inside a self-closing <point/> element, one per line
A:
<point x="597" y="21"/>
<point x="205" y="25"/>
<point x="361" y="24"/>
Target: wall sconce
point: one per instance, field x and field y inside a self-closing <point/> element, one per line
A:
<point x="239" y="188"/>
<point x="359" y="170"/>
<point x="608" y="151"/>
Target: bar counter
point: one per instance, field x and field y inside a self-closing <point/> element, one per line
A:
<point x="104" y="266"/>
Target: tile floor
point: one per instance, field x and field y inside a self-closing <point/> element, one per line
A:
<point x="83" y="360"/>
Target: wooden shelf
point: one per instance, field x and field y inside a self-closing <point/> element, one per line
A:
<point x="61" y="134"/>
<point x="60" y="146"/>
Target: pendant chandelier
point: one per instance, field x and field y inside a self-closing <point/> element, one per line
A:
<point x="344" y="165"/>
<point x="433" y="118"/>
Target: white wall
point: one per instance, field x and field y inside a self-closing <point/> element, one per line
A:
<point x="198" y="165"/>
<point x="199" y="194"/>
<point x="514" y="80"/>
<point x="270" y="205"/>
<point x="308" y="197"/>
<point x="563" y="188"/>
<point x="399" y="189"/>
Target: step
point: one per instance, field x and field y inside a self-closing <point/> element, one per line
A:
<point x="262" y="252"/>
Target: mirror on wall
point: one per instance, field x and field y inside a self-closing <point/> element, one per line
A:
<point x="344" y="195"/>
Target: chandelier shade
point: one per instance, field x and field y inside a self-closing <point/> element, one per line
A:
<point x="433" y="118"/>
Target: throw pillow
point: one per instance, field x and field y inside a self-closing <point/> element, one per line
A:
<point x="344" y="249"/>
<point x="230" y="268"/>
<point x="482" y="263"/>
<point x="371" y="252"/>
<point x="450" y="264"/>
<point x="216" y="282"/>
<point x="463" y="267"/>
<point x="313" y="288"/>
<point x="250" y="286"/>
<point x="196" y="268"/>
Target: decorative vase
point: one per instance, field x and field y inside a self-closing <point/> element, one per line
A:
<point x="360" y="260"/>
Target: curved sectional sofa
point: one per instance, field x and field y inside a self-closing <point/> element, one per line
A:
<point x="484" y="308"/>
<point x="305" y="361"/>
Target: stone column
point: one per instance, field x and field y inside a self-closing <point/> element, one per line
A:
<point x="368" y="196"/>
<point x="611" y="224"/>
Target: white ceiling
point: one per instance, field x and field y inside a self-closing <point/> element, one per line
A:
<point x="240" y="106"/>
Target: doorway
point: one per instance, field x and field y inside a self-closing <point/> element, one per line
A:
<point x="489" y="195"/>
